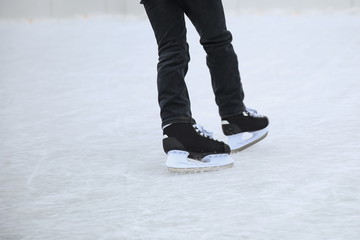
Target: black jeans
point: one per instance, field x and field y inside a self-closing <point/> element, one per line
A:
<point x="167" y="20"/>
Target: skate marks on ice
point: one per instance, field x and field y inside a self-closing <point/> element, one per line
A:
<point x="78" y="160"/>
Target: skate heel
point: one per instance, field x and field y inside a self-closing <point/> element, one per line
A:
<point x="241" y="141"/>
<point x="178" y="162"/>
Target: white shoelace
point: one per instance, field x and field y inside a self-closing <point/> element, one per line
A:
<point x="252" y="112"/>
<point x="203" y="132"/>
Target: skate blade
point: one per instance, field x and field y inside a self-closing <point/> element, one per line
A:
<point x="239" y="142"/>
<point x="178" y="162"/>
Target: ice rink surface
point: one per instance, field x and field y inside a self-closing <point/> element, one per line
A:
<point x="80" y="138"/>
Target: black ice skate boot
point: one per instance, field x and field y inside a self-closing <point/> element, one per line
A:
<point x="245" y="129"/>
<point x="190" y="148"/>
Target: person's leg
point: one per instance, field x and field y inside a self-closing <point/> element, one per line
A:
<point x="208" y="18"/>
<point x="167" y="21"/>
<point x="188" y="146"/>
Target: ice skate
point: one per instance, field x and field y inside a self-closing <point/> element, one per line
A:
<point x="190" y="148"/>
<point x="245" y="129"/>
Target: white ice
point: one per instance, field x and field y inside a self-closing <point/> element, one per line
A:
<point x="80" y="138"/>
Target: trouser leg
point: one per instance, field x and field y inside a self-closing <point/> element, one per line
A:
<point x="209" y="20"/>
<point x="167" y="21"/>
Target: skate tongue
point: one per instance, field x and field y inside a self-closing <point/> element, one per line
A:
<point x="203" y="130"/>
